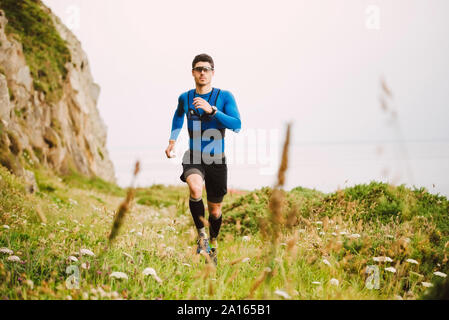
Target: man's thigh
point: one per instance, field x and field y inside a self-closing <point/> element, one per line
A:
<point x="216" y="180"/>
<point x="195" y="182"/>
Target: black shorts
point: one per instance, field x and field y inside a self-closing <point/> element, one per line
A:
<point x="215" y="175"/>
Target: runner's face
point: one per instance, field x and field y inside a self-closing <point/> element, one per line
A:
<point x="203" y="78"/>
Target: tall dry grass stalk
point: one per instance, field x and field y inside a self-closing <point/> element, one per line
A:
<point x="258" y="282"/>
<point x="272" y="226"/>
<point x="386" y="95"/>
<point x="277" y="196"/>
<point x="124" y="207"/>
<point x="41" y="214"/>
<point x="233" y="276"/>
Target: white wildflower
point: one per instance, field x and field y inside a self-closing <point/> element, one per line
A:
<point x="6" y="251"/>
<point x="390" y="269"/>
<point x="152" y="272"/>
<point x="412" y="261"/>
<point x="60" y="222"/>
<point x="343" y="233"/>
<point x="316" y="282"/>
<point x="5" y="226"/>
<point x="246" y="238"/>
<point x="321" y="233"/>
<point x="318" y="222"/>
<point x="333" y="233"/>
<point x="245" y="259"/>
<point x="72" y="258"/>
<point x="170" y="228"/>
<point x="86" y="252"/>
<point x="326" y="262"/>
<point x="13" y="259"/>
<point x="283" y="244"/>
<point x="283" y="294"/>
<point x="334" y="282"/>
<point x="85" y="265"/>
<point x="383" y="259"/>
<point x="160" y="236"/>
<point x="440" y="274"/>
<point x="354" y="236"/>
<point x="139" y="234"/>
<point x="186" y="264"/>
<point x="119" y="275"/>
<point x="427" y="284"/>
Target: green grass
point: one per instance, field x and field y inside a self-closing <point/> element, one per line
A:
<point x="77" y="180"/>
<point x="45" y="51"/>
<point x="160" y="235"/>
<point x="160" y="196"/>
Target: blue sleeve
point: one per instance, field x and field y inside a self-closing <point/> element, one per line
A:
<point x="178" y="120"/>
<point x="230" y="118"/>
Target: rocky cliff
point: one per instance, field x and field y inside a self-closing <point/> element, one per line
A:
<point x="47" y="96"/>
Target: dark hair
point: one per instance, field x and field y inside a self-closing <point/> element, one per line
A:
<point x="204" y="58"/>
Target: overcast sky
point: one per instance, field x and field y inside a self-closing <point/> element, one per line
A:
<point x="318" y="64"/>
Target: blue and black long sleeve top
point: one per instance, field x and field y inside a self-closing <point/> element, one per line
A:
<point x="227" y="117"/>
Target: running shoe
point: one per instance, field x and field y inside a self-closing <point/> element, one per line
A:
<point x="203" y="245"/>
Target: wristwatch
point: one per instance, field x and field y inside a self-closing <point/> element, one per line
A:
<point x="214" y="110"/>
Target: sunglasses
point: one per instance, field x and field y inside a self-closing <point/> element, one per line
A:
<point x="200" y="69"/>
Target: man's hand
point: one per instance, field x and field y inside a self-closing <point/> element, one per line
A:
<point x="202" y="104"/>
<point x="170" y="148"/>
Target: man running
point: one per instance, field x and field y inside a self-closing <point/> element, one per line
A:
<point x="210" y="111"/>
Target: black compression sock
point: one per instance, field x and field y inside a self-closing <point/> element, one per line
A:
<point x="214" y="226"/>
<point x="197" y="210"/>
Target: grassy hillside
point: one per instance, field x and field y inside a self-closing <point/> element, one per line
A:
<point x="324" y="239"/>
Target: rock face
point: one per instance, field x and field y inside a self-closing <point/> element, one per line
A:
<point x="61" y="135"/>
